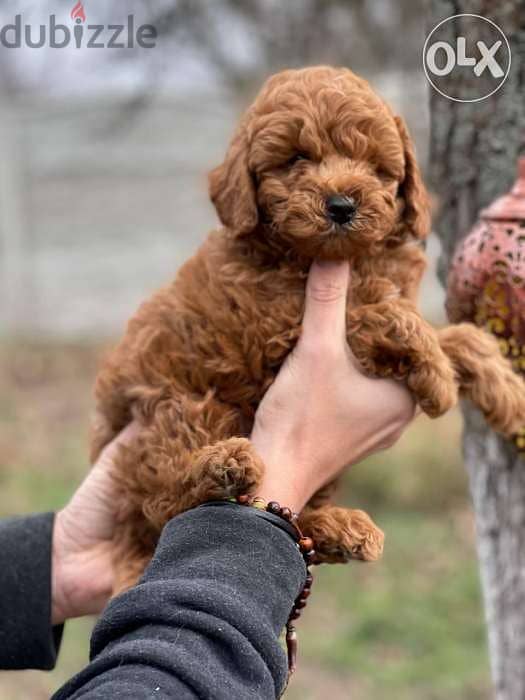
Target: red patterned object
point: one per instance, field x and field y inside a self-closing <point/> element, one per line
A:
<point x="486" y="283"/>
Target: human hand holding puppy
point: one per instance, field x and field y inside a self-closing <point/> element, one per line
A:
<point x="320" y="415"/>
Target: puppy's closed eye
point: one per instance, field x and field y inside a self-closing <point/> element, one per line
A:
<point x="385" y="175"/>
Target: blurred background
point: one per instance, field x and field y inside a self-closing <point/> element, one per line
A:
<point x="103" y="161"/>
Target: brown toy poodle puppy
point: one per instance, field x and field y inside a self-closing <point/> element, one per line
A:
<point x="318" y="167"/>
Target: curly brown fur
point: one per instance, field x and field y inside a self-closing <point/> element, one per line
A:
<point x="198" y="357"/>
<point x="485" y="376"/>
<point x="344" y="534"/>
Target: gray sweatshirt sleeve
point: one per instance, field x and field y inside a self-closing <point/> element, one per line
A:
<point x="204" y="621"/>
<point x="27" y="639"/>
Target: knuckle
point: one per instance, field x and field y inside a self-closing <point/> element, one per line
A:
<point x="394" y="436"/>
<point x="390" y="439"/>
<point x="400" y="422"/>
<point x="407" y="412"/>
<point x="326" y="293"/>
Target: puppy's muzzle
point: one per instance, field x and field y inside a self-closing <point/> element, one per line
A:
<point x="341" y="209"/>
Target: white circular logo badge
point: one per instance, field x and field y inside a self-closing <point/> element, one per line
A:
<point x="466" y="58"/>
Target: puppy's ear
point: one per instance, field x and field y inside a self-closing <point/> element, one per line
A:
<point x="232" y="189"/>
<point x="416" y="215"/>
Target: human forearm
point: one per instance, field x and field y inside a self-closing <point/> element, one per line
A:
<point x="205" y="619"/>
<point x="27" y="639"/>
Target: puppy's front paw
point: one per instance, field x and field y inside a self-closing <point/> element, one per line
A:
<point x="398" y="343"/>
<point x="225" y="469"/>
<point x="434" y="388"/>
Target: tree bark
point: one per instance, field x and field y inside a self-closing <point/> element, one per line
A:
<point x="473" y="154"/>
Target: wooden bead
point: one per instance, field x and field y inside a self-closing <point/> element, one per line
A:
<point x="273" y="507"/>
<point x="310" y="556"/>
<point x="295" y="614"/>
<point x="259" y="503"/>
<point x="306" y="544"/>
<point x="300" y="604"/>
<point x="243" y="499"/>
<point x="309" y="579"/>
<point x="305" y="593"/>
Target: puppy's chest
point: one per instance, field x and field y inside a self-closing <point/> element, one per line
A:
<point x="236" y="330"/>
<point x="267" y="314"/>
<point x="237" y="322"/>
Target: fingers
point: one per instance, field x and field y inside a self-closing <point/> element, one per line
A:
<point x="324" y="317"/>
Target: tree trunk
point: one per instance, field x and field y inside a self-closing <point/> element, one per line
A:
<point x="473" y="154"/>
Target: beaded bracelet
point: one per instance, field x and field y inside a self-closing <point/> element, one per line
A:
<point x="306" y="547"/>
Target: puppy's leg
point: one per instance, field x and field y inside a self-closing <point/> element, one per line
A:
<point x="485" y="376"/>
<point x="340" y="534"/>
<point x="134" y="543"/>
<point x="391" y="339"/>
<point x="185" y="456"/>
<point x="178" y="460"/>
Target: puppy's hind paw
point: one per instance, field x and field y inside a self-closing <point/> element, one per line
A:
<point x="340" y="534"/>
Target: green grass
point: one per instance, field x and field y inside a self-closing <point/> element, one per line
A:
<point x="409" y="627"/>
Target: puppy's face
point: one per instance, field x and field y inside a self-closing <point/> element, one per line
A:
<point x="320" y="163"/>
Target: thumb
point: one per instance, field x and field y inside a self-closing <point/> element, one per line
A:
<point x="325" y="303"/>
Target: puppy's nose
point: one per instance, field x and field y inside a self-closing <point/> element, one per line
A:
<point x="341" y="209"/>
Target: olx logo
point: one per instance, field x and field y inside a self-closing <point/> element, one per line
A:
<point x="466" y="58"/>
<point x="460" y="58"/>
